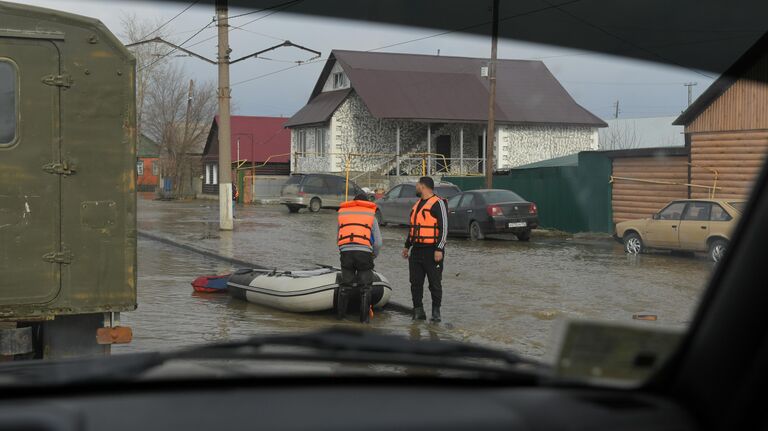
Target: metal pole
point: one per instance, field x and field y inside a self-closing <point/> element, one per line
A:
<point x="492" y="99"/>
<point x="485" y="143"/>
<point x="225" y="133"/>
<point x="397" y="147"/>
<point x="429" y="149"/>
<point x="461" y="150"/>
<point x="346" y="183"/>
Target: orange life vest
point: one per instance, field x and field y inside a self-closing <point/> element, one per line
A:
<point x="423" y="224"/>
<point x="356" y="222"/>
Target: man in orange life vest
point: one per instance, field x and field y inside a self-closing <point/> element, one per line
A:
<point x="359" y="241"/>
<point x="425" y="246"/>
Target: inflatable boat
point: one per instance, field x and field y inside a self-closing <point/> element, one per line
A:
<point x="300" y="291"/>
<point x="210" y="283"/>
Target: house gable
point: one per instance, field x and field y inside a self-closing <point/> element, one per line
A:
<point x="728" y="111"/>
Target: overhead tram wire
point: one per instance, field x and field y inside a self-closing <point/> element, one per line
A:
<point x="170" y="20"/>
<point x="274" y="9"/>
<point x="175" y="49"/>
<point x="442" y="33"/>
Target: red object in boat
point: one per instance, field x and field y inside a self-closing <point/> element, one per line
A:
<point x="211" y="283"/>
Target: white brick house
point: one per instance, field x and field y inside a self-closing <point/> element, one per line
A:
<point x="386" y="112"/>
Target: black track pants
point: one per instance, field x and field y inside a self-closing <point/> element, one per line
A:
<point x="422" y="263"/>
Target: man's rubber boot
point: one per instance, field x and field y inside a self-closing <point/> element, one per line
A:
<point x="419" y="314"/>
<point x="365" y="306"/>
<point x="436" y="313"/>
<point x="342" y="303"/>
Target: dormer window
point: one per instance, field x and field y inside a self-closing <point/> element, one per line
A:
<point x="339" y="80"/>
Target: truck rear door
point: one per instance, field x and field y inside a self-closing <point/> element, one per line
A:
<point x="30" y="214"/>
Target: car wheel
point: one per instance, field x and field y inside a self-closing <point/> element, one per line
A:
<point x="633" y="244"/>
<point x="380" y="218"/>
<point x="475" y="231"/>
<point x="717" y="249"/>
<point x="524" y="235"/>
<point x="314" y="205"/>
<point x="293" y="209"/>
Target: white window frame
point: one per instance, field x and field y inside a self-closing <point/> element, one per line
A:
<point x="301" y="141"/>
<point x="320" y="141"/>
<point x="215" y="174"/>
<point x="140" y="168"/>
<point x="339" y="80"/>
<point x="155" y="167"/>
<point x="207" y="174"/>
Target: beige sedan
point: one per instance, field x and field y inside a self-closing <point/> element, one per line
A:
<point x="686" y="225"/>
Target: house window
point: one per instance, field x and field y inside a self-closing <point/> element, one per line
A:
<point x="215" y="177"/>
<point x="339" y="80"/>
<point x="207" y="174"/>
<point x="140" y="168"/>
<point x="8" y="115"/>
<point x="211" y="174"/>
<point x="155" y="168"/>
<point x="301" y="141"/>
<point x="320" y="141"/>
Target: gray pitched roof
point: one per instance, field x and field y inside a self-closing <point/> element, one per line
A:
<point x="319" y="109"/>
<point x="439" y="88"/>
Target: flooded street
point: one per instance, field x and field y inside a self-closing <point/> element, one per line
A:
<point x="498" y="292"/>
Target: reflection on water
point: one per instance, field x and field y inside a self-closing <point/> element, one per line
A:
<point x="503" y="293"/>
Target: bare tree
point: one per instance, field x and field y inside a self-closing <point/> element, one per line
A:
<point x="620" y="135"/>
<point x="149" y="57"/>
<point x="178" y="113"/>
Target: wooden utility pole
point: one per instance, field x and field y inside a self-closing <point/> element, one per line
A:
<point x="490" y="141"/>
<point x="225" y="134"/>
<point x="616" y="109"/>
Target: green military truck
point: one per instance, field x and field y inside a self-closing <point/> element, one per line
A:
<point x="67" y="184"/>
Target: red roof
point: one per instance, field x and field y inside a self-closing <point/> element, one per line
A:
<point x="259" y="138"/>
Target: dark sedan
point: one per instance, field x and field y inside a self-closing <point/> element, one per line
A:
<point x="478" y="213"/>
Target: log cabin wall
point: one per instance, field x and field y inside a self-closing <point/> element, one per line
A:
<point x="635" y="198"/>
<point x="737" y="157"/>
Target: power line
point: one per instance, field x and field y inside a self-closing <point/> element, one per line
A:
<point x="521" y="14"/>
<point x="275" y="9"/>
<point x="409" y="41"/>
<point x="174" y="49"/>
<point x="621" y="51"/>
<point x="169" y="21"/>
<point x="621" y="39"/>
<point x="280" y="5"/>
<point x="279" y="71"/>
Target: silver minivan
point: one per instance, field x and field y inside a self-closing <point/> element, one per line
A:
<point x="395" y="206"/>
<point x="315" y="191"/>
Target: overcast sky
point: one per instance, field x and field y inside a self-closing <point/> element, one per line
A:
<point x="594" y="81"/>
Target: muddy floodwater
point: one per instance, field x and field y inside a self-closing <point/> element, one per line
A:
<point x="499" y="292"/>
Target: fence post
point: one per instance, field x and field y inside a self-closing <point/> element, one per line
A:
<point x="397" y="156"/>
<point x="429" y="148"/>
<point x="461" y="150"/>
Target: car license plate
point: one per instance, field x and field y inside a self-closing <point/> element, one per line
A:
<point x="518" y="224"/>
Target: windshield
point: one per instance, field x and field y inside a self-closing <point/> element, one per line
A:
<point x="600" y="186"/>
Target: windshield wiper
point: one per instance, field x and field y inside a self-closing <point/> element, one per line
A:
<point x="333" y="345"/>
